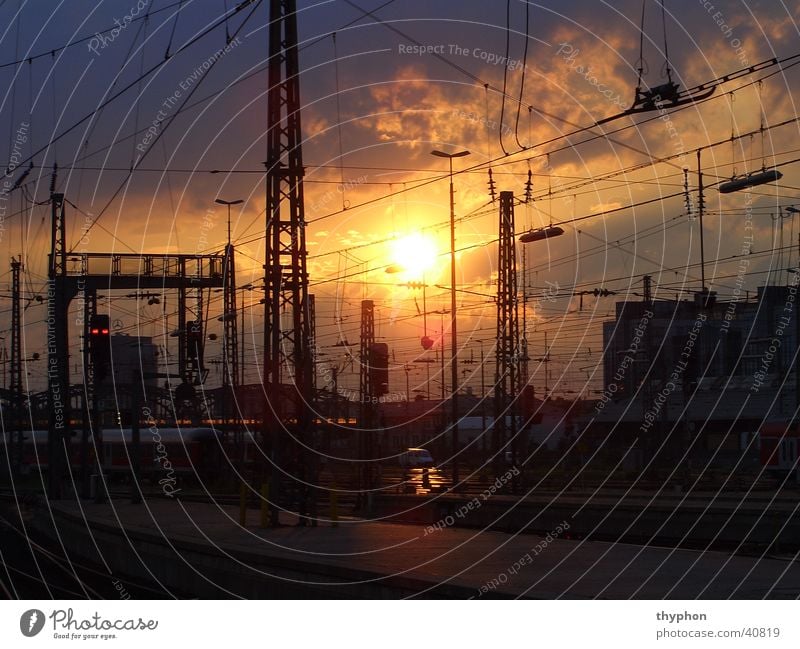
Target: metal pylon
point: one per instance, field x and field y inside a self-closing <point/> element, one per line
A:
<point x="286" y="313"/>
<point x="366" y="424"/>
<point x="508" y="376"/>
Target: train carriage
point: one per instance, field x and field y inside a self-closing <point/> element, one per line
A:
<point x="184" y="453"/>
<point x="778" y="447"/>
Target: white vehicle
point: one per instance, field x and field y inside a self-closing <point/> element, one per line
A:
<point x="416" y="457"/>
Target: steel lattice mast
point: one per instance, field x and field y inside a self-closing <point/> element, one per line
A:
<point x="15" y="385"/>
<point x="367" y="391"/>
<point x="508" y="376"/>
<point x="286" y="313"/>
<point x="230" y="358"/>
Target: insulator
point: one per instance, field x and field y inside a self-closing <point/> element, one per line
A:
<point x="687" y="199"/>
<point x="53" y="178"/>
<point x="492" y="188"/>
<point x="529" y="187"/>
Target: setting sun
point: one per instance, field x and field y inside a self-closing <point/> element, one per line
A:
<point x="414" y="254"/>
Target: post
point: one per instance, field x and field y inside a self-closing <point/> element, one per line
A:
<point x="97" y="437"/>
<point x="453" y="331"/>
<point x="241" y="351"/>
<point x="57" y="352"/>
<point x="243" y="504"/>
<point x="441" y="346"/>
<point x="453" y="318"/>
<point x="700" y="206"/>
<point x="89" y="310"/>
<point x="264" y="505"/>
<point x="136" y="442"/>
<point x="483" y="403"/>
<point x="15" y="388"/>
<point x="334" y="502"/>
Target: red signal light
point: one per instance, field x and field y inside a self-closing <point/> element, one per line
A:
<point x="99" y="345"/>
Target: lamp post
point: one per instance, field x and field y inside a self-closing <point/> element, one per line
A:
<point x="533" y="236"/>
<point x="246" y="287"/>
<point x="229" y="203"/>
<point x="229" y="313"/>
<point x="453" y="329"/>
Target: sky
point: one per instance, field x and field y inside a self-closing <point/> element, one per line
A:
<point x="382" y="85"/>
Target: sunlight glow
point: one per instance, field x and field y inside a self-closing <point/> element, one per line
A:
<point x="415" y="254"/>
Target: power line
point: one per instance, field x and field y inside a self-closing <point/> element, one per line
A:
<point x="133" y="83"/>
<point x="83" y="39"/>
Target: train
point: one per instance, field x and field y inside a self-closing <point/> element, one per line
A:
<point x="175" y="454"/>
<point x="778" y="448"/>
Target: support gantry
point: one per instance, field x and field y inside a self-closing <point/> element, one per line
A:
<point x="508" y="375"/>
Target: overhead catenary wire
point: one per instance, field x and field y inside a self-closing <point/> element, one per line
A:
<point x="504" y="159"/>
<point x="770" y="61"/>
<point x="93" y="35"/>
<point x="504" y="93"/>
<point x="205" y="32"/>
<point x="339" y="118"/>
<point x="392" y="193"/>
<point x="171" y="119"/>
<point x="522" y="81"/>
<point x="666" y="42"/>
<point x="475" y="78"/>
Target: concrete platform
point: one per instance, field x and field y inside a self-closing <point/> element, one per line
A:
<point x="198" y="549"/>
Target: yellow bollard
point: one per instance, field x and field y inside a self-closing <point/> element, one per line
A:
<point x="243" y="505"/>
<point x="265" y="504"/>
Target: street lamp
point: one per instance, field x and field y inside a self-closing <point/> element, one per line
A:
<point x="229" y="203"/>
<point x="530" y="237"/>
<point x="453" y="332"/>
<point x="246" y="287"/>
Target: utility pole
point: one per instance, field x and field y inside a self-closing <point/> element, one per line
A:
<point x="15" y="386"/>
<point x="701" y="203"/>
<point x="483" y="403"/>
<point x="453" y="318"/>
<point x="89" y="420"/>
<point x="136" y="440"/>
<point x="507" y="372"/>
<point x="312" y="339"/>
<point x="230" y="338"/>
<point x="366" y="424"/>
<point x="441" y="359"/>
<point x="524" y="376"/>
<point x="57" y="350"/>
<point x="287" y="329"/>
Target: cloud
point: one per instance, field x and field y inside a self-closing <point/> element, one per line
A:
<point x="604" y="207"/>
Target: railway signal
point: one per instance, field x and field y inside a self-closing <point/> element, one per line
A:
<point x="379" y="369"/>
<point x="100" y="345"/>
